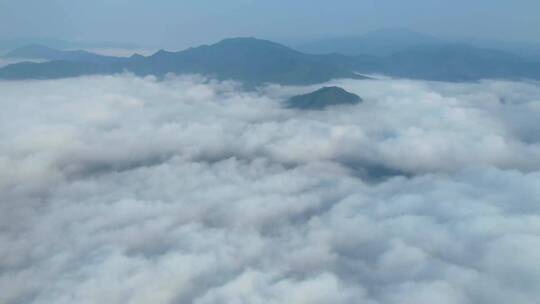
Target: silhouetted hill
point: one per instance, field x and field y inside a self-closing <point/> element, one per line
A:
<point x="322" y="98"/>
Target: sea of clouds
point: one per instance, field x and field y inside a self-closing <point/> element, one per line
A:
<point x="119" y="189"/>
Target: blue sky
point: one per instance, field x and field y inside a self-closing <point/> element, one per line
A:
<point x="184" y="23"/>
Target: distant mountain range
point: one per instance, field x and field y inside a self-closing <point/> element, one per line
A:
<point x="249" y="60"/>
<point x="386" y="42"/>
<point x="383" y="42"/>
<point x="35" y="51"/>
<point x="458" y="62"/>
<point x="254" y="61"/>
<point x="10" y="44"/>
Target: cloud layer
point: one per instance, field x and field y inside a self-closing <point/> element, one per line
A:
<point x="121" y="189"/>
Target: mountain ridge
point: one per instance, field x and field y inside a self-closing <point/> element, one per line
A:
<point x="36" y="51"/>
<point x="249" y="60"/>
<point x="254" y="62"/>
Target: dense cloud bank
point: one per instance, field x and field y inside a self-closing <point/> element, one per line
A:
<point x="131" y="190"/>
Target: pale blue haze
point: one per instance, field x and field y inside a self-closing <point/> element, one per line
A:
<point x="176" y="24"/>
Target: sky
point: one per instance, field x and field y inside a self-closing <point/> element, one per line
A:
<point x="180" y="23"/>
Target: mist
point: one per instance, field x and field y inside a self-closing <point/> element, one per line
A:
<point x="121" y="189"/>
<point x="182" y="24"/>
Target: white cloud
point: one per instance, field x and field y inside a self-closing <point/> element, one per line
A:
<point x="120" y="189"/>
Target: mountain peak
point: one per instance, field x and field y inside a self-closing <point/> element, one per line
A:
<point x="244" y="40"/>
<point x="322" y="98"/>
<point x="137" y="56"/>
<point x="252" y="43"/>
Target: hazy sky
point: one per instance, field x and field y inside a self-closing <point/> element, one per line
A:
<point x="179" y="23"/>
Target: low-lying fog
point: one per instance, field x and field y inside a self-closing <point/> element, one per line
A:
<point x="119" y="189"/>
